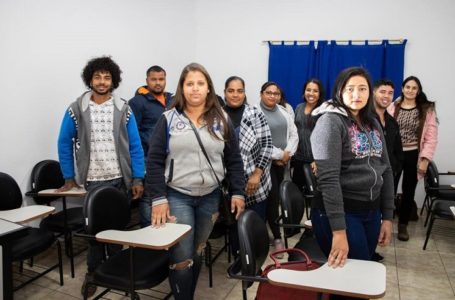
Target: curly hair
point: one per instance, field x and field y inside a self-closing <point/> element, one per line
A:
<point x="103" y="64"/>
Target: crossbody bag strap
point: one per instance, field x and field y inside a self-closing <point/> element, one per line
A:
<point x="202" y="148"/>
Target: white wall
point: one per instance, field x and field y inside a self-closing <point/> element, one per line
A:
<point x="45" y="44"/>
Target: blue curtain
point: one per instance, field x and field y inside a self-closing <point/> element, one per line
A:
<point x="291" y="65"/>
<point x="393" y="67"/>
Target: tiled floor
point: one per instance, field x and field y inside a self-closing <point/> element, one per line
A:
<point x="411" y="272"/>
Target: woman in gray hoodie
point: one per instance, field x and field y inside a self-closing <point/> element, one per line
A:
<point x="354" y="173"/>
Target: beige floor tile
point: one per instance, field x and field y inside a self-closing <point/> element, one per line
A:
<point x="236" y="292"/>
<point x="50" y="280"/>
<point x="59" y="296"/>
<point x="449" y="263"/>
<point x="416" y="293"/>
<point x="452" y="282"/>
<point x="418" y="260"/>
<point x="429" y="280"/>
<point x="445" y="244"/>
<point x="392" y="292"/>
<point x="389" y="255"/>
<point x="32" y="291"/>
<point x="391" y="276"/>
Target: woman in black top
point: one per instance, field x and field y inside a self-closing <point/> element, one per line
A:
<point x="312" y="96"/>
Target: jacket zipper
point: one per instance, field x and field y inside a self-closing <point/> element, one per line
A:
<point x="368" y="161"/>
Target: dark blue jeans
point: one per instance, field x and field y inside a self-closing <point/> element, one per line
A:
<point x="362" y="230"/>
<point x="200" y="212"/>
<point x="144" y="212"/>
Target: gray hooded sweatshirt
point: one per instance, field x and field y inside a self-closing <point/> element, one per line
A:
<point x="354" y="172"/>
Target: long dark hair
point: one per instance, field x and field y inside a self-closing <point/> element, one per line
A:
<point x="422" y="101"/>
<point x="213" y="112"/>
<point x="320" y="87"/>
<point x="366" y="114"/>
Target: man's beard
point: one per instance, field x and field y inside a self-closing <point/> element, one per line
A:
<point x="157" y="91"/>
<point x="101" y="93"/>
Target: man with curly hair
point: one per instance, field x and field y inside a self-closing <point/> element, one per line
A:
<point x="101" y="131"/>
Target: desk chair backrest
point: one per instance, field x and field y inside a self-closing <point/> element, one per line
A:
<point x="310" y="187"/>
<point x="292" y="206"/>
<point x="106" y="207"/>
<point x="253" y="243"/>
<point x="46" y="175"/>
<point x="432" y="175"/>
<point x="10" y="193"/>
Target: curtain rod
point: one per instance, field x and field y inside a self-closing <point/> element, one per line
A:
<point x="401" y="40"/>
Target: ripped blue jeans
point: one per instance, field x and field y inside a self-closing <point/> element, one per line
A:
<point x="200" y="212"/>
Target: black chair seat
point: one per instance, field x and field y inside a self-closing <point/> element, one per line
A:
<point x="151" y="267"/>
<point x="446" y="192"/>
<point x="310" y="246"/>
<point x="442" y="209"/>
<point x="36" y="241"/>
<point x="74" y="219"/>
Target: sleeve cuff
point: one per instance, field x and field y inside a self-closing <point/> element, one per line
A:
<point x="337" y="223"/>
<point x="387" y="214"/>
<point x="137" y="181"/>
<point x="158" y="201"/>
<point x="238" y="196"/>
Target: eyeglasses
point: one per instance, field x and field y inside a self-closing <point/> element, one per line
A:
<point x="269" y="93"/>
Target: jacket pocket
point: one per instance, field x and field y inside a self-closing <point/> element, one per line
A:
<point x="171" y="171"/>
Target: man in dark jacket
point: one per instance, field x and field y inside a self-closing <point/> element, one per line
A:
<point x="383" y="96"/>
<point x="149" y="102"/>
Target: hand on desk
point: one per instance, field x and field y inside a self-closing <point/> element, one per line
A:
<point x="69" y="184"/>
<point x="385" y="234"/>
<point x="340" y="248"/>
<point x="160" y="214"/>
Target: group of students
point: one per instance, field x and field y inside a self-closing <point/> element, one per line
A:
<point x="195" y="143"/>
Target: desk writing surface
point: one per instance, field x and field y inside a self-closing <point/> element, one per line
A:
<point x="74" y="192"/>
<point x="147" y="237"/>
<point x="357" y="278"/>
<point x="8" y="227"/>
<point x="26" y="213"/>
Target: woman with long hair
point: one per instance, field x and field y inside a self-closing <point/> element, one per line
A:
<point x="284" y="143"/>
<point x="416" y="117"/>
<point x="312" y="96"/>
<point x="354" y="174"/>
<point x="180" y="182"/>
